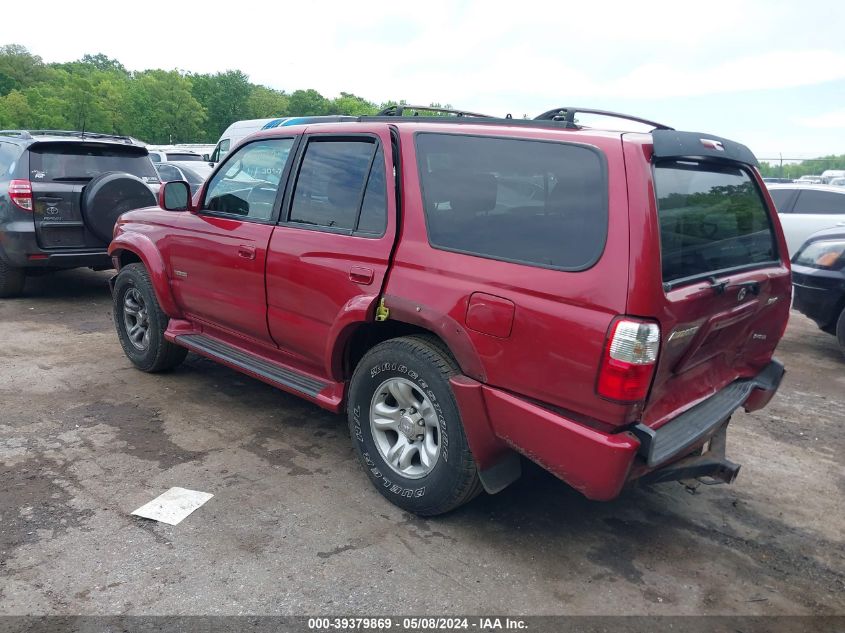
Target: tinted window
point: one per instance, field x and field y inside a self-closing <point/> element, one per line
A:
<point x="781" y="198"/>
<point x="80" y="162"/>
<point x="820" y="202"/>
<point x="533" y="202"/>
<point x="711" y="219"/>
<point x="183" y="157"/>
<point x="248" y="181"/>
<point x="331" y="183"/>
<point x="373" y="219"/>
<point x="8" y="156"/>
<point x="168" y="173"/>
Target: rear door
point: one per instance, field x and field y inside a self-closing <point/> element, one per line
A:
<point x="328" y="257"/>
<point x="59" y="172"/>
<point x="726" y="281"/>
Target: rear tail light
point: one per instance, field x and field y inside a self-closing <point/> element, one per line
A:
<point x="20" y="191"/>
<point x="628" y="362"/>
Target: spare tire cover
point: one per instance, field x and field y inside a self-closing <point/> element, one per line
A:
<point x="108" y="196"/>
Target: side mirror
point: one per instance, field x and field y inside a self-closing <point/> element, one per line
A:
<point x="175" y="196"/>
<point x="205" y="157"/>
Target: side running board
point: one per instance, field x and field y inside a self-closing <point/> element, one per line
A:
<point x="266" y="370"/>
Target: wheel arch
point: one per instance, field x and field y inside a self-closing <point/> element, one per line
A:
<point x="131" y="248"/>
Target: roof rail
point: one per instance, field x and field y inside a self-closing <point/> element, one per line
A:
<point x="567" y="114"/>
<point x="20" y="133"/>
<point x="397" y="110"/>
<point x="82" y="135"/>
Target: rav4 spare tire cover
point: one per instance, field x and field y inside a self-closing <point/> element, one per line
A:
<point x="108" y="196"/>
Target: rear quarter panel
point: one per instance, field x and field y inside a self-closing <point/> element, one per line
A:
<point x="560" y="319"/>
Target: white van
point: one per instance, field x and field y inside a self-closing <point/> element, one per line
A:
<point x="237" y="131"/>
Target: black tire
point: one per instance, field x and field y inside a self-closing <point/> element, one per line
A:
<point x="110" y="195"/>
<point x="840" y="331"/>
<point x="155" y="353"/>
<point x="11" y="280"/>
<point x="427" y="365"/>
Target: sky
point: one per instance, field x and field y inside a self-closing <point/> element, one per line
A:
<point x="770" y="74"/>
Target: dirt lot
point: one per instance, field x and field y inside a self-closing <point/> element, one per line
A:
<point x="295" y="527"/>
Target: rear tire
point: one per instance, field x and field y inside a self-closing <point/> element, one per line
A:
<point x="840" y="331"/>
<point x="11" y="280"/>
<point x="406" y="427"/>
<point x="141" y="323"/>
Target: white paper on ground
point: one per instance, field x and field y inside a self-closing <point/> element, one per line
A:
<point x="173" y="506"/>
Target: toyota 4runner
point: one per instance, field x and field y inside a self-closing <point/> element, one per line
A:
<point x="60" y="194"/>
<point x="472" y="290"/>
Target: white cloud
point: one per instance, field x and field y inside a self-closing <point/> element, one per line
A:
<point x="828" y="120"/>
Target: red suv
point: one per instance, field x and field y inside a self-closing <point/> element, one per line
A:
<point x="471" y="289"/>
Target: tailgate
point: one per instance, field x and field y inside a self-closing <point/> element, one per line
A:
<point x="726" y="285"/>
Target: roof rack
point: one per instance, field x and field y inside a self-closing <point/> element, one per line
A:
<point x="397" y="110"/>
<point x="567" y="114"/>
<point x="20" y="133"/>
<point x="29" y="134"/>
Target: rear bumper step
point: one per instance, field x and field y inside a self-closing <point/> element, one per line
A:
<point x="704" y="419"/>
<point x="711" y="464"/>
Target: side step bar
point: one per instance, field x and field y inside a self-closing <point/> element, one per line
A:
<point x="259" y="367"/>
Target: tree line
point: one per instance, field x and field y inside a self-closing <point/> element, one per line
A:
<point x="99" y="94"/>
<point x="811" y="167"/>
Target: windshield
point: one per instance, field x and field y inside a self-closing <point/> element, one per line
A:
<point x="195" y="177"/>
<point x="57" y="162"/>
<point x="712" y="218"/>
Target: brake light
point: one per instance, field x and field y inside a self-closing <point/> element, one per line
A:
<point x="20" y="191"/>
<point x="629" y="359"/>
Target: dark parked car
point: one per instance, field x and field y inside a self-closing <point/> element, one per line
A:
<point x="469" y="290"/>
<point x="818" y="274"/>
<point x="60" y="194"/>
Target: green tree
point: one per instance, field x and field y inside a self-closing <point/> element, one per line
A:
<point x="19" y="67"/>
<point x="308" y="103"/>
<point x="161" y="108"/>
<point x="265" y="102"/>
<point x="348" y="103"/>
<point x="225" y="98"/>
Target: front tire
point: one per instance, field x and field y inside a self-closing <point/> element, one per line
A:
<point x="11" y="280"/>
<point x="406" y="427"/>
<point x="141" y="323"/>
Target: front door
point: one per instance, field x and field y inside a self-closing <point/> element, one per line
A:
<point x="219" y="252"/>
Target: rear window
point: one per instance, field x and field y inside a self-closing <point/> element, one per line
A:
<point x="712" y="219"/>
<point x="57" y="162"/>
<point x="183" y="157"/>
<point x="532" y="202"/>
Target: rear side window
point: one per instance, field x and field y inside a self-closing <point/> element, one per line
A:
<point x="341" y="186"/>
<point x="781" y="198"/>
<point x="712" y="219"/>
<point x="820" y="202"/>
<point x="532" y="202"/>
<point x="80" y="162"/>
<point x="9" y="155"/>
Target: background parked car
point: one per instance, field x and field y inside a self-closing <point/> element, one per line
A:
<point x="804" y="209"/>
<point x="838" y="182"/>
<point x="195" y="173"/>
<point x="165" y="153"/>
<point x="818" y="276"/>
<point x="777" y="180"/>
<point x="60" y="195"/>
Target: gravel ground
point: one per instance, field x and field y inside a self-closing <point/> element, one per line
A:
<point x="295" y="527"/>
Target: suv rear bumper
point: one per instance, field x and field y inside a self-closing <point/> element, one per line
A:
<point x="19" y="248"/>
<point x="599" y="464"/>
